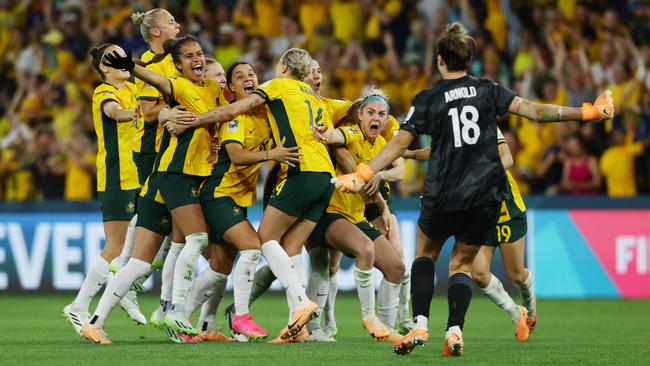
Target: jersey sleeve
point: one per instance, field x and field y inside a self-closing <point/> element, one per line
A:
<point x="500" y="138"/>
<point x="103" y="95"/>
<point x="351" y="134"/>
<point x="502" y="97"/>
<point x="416" y="120"/>
<point x="233" y="131"/>
<point x="392" y="127"/>
<point x="270" y="90"/>
<point x="177" y="88"/>
<point x="146" y="91"/>
<point x="340" y="108"/>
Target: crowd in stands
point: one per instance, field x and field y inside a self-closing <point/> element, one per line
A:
<point x="560" y="52"/>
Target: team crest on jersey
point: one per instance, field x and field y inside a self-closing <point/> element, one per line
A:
<point x="233" y="126"/>
<point x="109" y="94"/>
<point x="194" y="192"/>
<point x="236" y="211"/>
<point x="130" y="207"/>
<point x="352" y="130"/>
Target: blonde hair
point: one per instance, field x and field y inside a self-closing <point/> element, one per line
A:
<point x="146" y="21"/>
<point x="298" y="61"/>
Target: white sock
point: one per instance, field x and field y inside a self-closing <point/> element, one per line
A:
<point x="202" y="289"/>
<point x="299" y="267"/>
<point x="403" y="311"/>
<point x="167" y="277"/>
<point x="117" y="288"/>
<point x="263" y="279"/>
<point x="318" y="285"/>
<point x="366" y="291"/>
<point x="455" y="329"/>
<point x="331" y="299"/>
<point x="159" y="260"/>
<point x="127" y="249"/>
<point x="388" y="302"/>
<point x="209" y="308"/>
<point x="95" y="279"/>
<point x="282" y="268"/>
<point x="184" y="269"/>
<point x="421" y="322"/>
<point x="527" y="290"/>
<point x="243" y="277"/>
<point x="495" y="292"/>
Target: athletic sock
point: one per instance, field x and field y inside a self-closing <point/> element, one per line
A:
<point x="299" y="268"/>
<point x="117" y="288"/>
<point x="403" y="311"/>
<point x="423" y="273"/>
<point x="263" y="279"/>
<point x="184" y="269"/>
<point x="159" y="260"/>
<point x="421" y="322"/>
<point x="459" y="296"/>
<point x="527" y="290"/>
<point x="366" y="291"/>
<point x="202" y="289"/>
<point x="95" y="279"/>
<point x="167" y="277"/>
<point x="495" y="292"/>
<point x="330" y="304"/>
<point x="282" y="268"/>
<point x="243" y="277"/>
<point x="388" y="302"/>
<point x="209" y="308"/>
<point x="318" y="285"/>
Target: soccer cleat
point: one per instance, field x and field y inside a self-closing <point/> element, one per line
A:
<point x="453" y="345"/>
<point x="299" y="319"/>
<point x="94" y="335"/>
<point x="212" y="336"/>
<point x="521" y="328"/>
<point x="531" y="321"/>
<point x="157" y="318"/>
<point x="320" y="335"/>
<point x="138" y="287"/>
<point x="229" y="313"/>
<point x="176" y="322"/>
<point x="375" y="327"/>
<point x="416" y="337"/>
<point x="330" y="328"/>
<point x="130" y="304"/>
<point x="301" y="337"/>
<point x="243" y="328"/>
<point x="76" y="317"/>
<point x="392" y="337"/>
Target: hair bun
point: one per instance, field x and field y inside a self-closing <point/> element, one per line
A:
<point x="137" y="18"/>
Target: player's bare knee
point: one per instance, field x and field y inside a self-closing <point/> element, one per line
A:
<point x="480" y="276"/>
<point x="365" y="254"/>
<point x="517" y="275"/>
<point x="395" y="273"/>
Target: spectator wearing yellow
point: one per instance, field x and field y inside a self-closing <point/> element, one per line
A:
<point x="617" y="164"/>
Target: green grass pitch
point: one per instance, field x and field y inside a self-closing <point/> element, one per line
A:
<point x="607" y="332"/>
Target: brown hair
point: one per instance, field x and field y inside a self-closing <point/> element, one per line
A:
<point x="456" y="47"/>
<point x="173" y="47"/>
<point x="97" y="54"/>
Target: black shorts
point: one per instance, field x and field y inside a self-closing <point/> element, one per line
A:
<point x="471" y="226"/>
<point x="144" y="162"/>
<point x="305" y="195"/>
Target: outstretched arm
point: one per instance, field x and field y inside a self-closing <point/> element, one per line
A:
<point x="603" y="108"/>
<point x="125" y="62"/>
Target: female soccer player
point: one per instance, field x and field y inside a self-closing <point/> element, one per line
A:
<point x="465" y="182"/>
<point x="114" y="113"/>
<point x="345" y="227"/>
<point x="510" y="238"/>
<point x="182" y="165"/>
<point x="300" y="199"/>
<point x="225" y="196"/>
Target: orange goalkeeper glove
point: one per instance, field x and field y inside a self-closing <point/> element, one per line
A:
<point x="603" y="108"/>
<point x="353" y="183"/>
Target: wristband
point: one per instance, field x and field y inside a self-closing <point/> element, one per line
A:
<point x="365" y="172"/>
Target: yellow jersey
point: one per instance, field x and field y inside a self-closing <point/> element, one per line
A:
<point x="391" y="129"/>
<point x="149" y="135"/>
<point x="116" y="170"/>
<point x="617" y="165"/>
<point x="190" y="153"/>
<point x="239" y="182"/>
<point x="512" y="206"/>
<point x="352" y="206"/>
<point x="336" y="108"/>
<point x="293" y="111"/>
<point x="78" y="182"/>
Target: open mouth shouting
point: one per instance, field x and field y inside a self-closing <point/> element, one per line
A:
<point x="249" y="86"/>
<point x="197" y="69"/>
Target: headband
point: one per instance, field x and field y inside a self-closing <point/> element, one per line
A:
<point x="374" y="98"/>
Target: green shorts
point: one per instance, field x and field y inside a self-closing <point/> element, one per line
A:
<point x="221" y="214"/>
<point x="318" y="235"/>
<point x="118" y="205"/>
<point x="304" y="195"/>
<point x="154" y="216"/>
<point x="144" y="162"/>
<point x="372" y="210"/>
<point x="178" y="189"/>
<point x="509" y="231"/>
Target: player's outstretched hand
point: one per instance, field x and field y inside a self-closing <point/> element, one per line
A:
<point x="117" y="61"/>
<point x="353" y="183"/>
<point x="603" y="108"/>
<point x="175" y="128"/>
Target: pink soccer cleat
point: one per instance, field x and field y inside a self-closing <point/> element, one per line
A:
<point x="244" y="328"/>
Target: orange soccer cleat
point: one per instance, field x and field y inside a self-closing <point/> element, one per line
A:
<point x="521" y="328"/>
<point x="416" y="337"/>
<point x="94" y="335"/>
<point x="453" y="345"/>
<point x="299" y="319"/>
